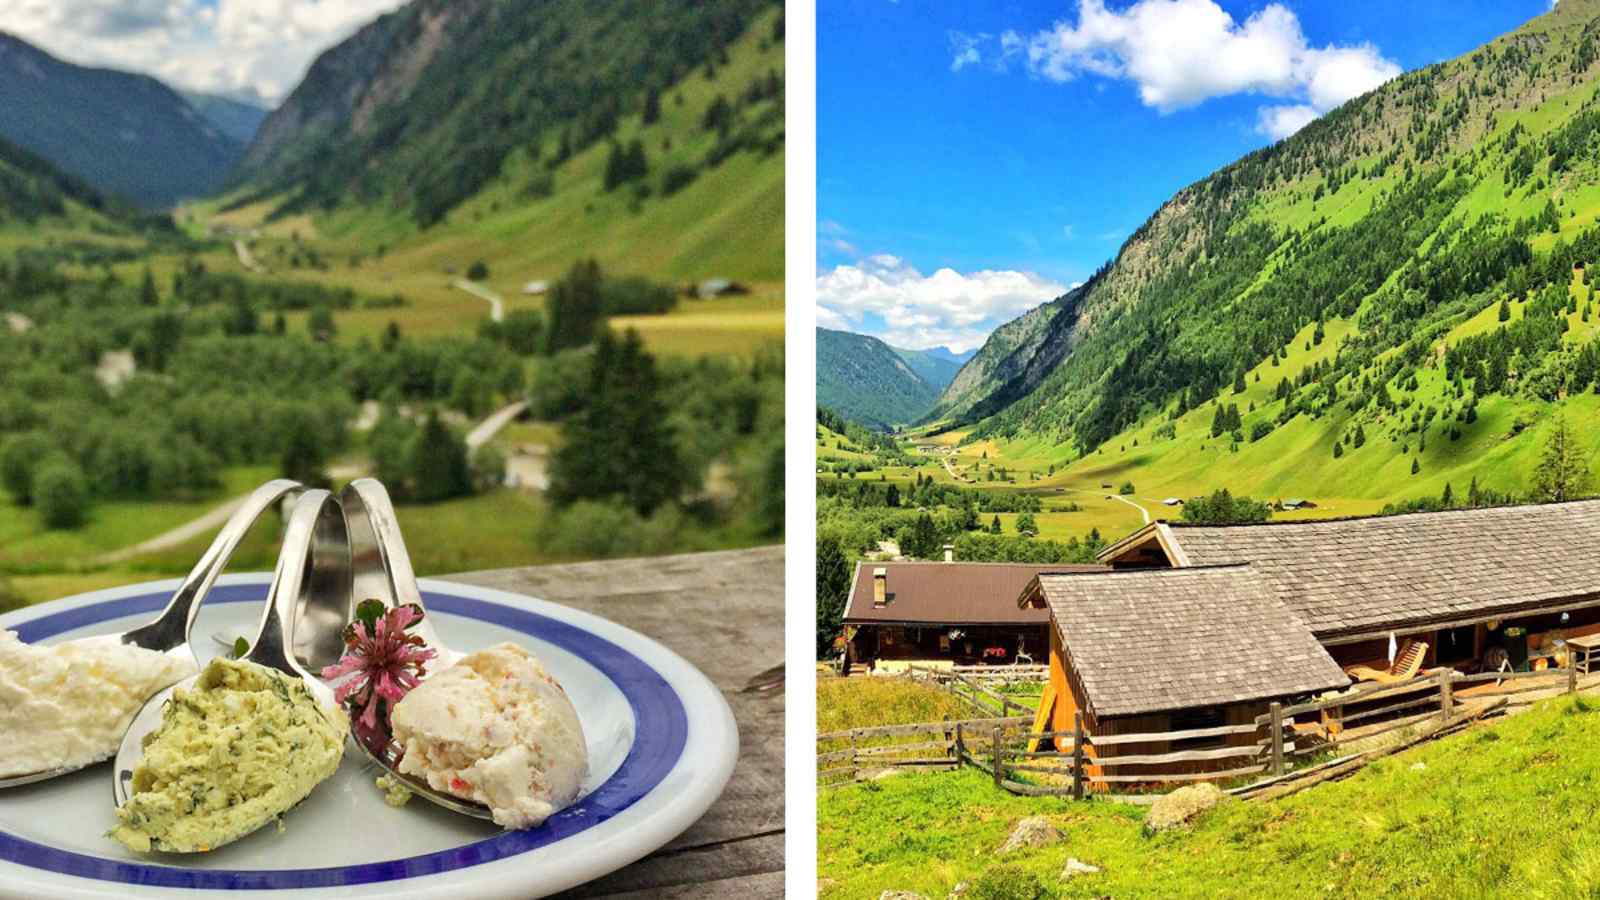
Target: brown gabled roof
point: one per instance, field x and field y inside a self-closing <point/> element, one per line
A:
<point x="953" y="593"/>
<point x="1153" y="640"/>
<point x="1360" y="576"/>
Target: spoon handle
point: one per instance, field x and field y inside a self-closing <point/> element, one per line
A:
<point x="171" y="629"/>
<point x="315" y="511"/>
<point x="380" y="565"/>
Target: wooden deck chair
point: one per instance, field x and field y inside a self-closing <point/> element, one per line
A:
<point x="1407" y="663"/>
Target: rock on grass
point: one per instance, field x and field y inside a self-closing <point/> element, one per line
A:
<point x="1181" y="806"/>
<point x="1034" y="831"/>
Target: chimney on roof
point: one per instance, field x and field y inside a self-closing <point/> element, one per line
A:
<point x="880" y="587"/>
<point x="949" y="552"/>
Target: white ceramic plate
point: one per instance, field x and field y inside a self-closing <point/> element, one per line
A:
<point x="662" y="744"/>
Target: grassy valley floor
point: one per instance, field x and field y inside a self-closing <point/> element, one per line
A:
<point x="1501" y="810"/>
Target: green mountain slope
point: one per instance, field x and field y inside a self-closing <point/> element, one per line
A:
<point x="476" y="82"/>
<point x="1405" y="278"/>
<point x="867" y="381"/>
<point x="126" y="134"/>
<point x="32" y="190"/>
<point x="666" y="164"/>
<point x="933" y="366"/>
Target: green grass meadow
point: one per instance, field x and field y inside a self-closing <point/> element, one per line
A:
<point x="1501" y="810"/>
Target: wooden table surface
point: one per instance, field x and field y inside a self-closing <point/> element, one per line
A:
<point x="724" y="613"/>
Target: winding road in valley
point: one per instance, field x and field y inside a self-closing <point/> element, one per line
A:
<point x="497" y="304"/>
<point x="214" y="518"/>
<point x="248" y="259"/>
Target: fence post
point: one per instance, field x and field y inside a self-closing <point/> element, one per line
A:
<point x="855" y="764"/>
<point x="1446" y="699"/>
<point x="949" y="740"/>
<point x="1572" y="671"/>
<point x="1077" y="755"/>
<point x="1276" y="725"/>
<point x="961" y="746"/>
<point x="995" y="759"/>
<point x="1005" y="707"/>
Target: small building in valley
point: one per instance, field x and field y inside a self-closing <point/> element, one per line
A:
<point x="944" y="613"/>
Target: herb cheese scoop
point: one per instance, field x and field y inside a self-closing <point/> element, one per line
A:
<point x="169" y="632"/>
<point x="228" y="805"/>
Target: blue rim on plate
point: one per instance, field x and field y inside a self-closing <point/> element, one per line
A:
<point x="660" y="736"/>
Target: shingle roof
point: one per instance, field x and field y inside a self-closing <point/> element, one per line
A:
<point x="1350" y="576"/>
<point x="1150" y="640"/>
<point x="954" y="593"/>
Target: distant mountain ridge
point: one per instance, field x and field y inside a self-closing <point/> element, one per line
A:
<point x="867" y="381"/>
<point x="234" y="118"/>
<point x="127" y="134"/>
<point x="936" y="366"/>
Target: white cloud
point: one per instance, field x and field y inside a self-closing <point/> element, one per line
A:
<point x="245" y="48"/>
<point x="947" y="308"/>
<point x="1180" y="53"/>
<point x="1278" y="122"/>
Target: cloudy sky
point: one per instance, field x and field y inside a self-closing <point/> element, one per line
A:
<point x="977" y="158"/>
<point x="245" y="48"/>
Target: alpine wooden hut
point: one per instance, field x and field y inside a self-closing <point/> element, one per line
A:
<point x="1201" y="627"/>
<point x="944" y="612"/>
<point x="1200" y="650"/>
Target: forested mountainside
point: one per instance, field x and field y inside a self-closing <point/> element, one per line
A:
<point x="32" y="189"/>
<point x="423" y="109"/>
<point x="1403" y="266"/>
<point x="867" y="381"/>
<point x="126" y="134"/>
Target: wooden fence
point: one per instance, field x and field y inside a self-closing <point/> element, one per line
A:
<point x="1344" y="728"/>
<point x="974" y="688"/>
<point x="844" y="757"/>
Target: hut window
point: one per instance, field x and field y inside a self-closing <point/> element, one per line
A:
<point x="1198" y="717"/>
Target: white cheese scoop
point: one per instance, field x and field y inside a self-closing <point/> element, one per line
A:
<point x="169" y="632"/>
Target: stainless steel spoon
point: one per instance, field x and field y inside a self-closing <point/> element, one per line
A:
<point x="169" y="632"/>
<point x="315" y="520"/>
<point x="381" y="570"/>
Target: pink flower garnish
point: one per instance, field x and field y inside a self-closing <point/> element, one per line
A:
<point x="384" y="663"/>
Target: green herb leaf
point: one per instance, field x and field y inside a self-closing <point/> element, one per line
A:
<point x="241" y="648"/>
<point x="369" y="612"/>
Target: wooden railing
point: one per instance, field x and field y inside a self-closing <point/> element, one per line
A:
<point x="843" y="757"/>
<point x="971" y="689"/>
<point x="1031" y="764"/>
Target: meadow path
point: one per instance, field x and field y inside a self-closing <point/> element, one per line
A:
<point x="212" y="520"/>
<point x="248" y="259"/>
<point x="497" y="304"/>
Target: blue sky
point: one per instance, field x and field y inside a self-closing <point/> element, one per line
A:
<point x="1022" y="169"/>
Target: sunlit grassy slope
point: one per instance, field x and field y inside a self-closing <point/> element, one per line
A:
<point x="1496" y="811"/>
<point x="728" y="223"/>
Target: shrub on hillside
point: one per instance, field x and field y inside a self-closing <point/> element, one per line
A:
<point x="61" y="493"/>
<point x="1009" y="882"/>
<point x="1222" y="508"/>
<point x="677" y="178"/>
<point x="637" y="297"/>
<point x="19" y="459"/>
